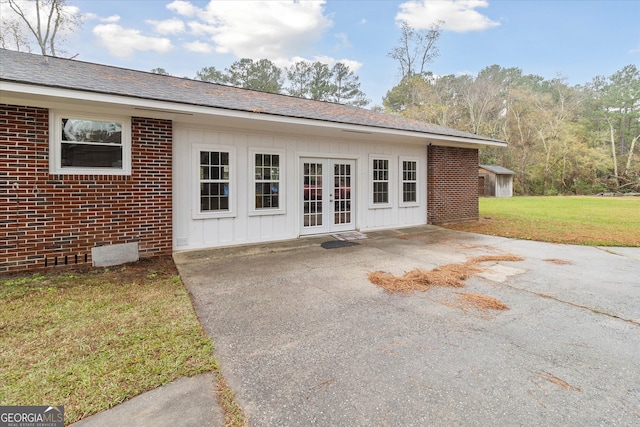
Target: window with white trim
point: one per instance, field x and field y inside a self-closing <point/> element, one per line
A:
<point x="268" y="181"/>
<point x="409" y="181"/>
<point x="380" y="180"/>
<point x="214" y="181"/>
<point x="89" y="144"/>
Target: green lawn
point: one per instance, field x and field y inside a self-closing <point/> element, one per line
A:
<point x="593" y="221"/>
<point x="91" y="339"/>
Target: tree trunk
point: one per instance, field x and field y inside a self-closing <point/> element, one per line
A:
<point x="613" y="151"/>
<point x="630" y="155"/>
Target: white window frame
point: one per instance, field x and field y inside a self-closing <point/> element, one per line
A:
<point x="55" y="144"/>
<point x="196" y="212"/>
<point x="390" y="185"/>
<point x="401" y="181"/>
<point x="280" y="210"/>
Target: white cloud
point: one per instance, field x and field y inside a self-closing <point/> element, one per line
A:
<point x="198" y="47"/>
<point x="111" y="19"/>
<point x="258" y="29"/>
<point x="344" y="41"/>
<point x="183" y="8"/>
<point x="168" y="26"/>
<point x="353" y="65"/>
<point x="123" y="42"/>
<point x="90" y="16"/>
<point x="458" y="15"/>
<point x="200" y="29"/>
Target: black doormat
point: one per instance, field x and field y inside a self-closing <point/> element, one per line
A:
<point x="333" y="244"/>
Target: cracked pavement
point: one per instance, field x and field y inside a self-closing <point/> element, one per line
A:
<point x="303" y="338"/>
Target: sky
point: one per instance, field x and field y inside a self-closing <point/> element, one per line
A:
<point x="576" y="40"/>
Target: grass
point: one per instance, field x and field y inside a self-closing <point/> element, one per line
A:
<point x="591" y="221"/>
<point x="92" y="339"/>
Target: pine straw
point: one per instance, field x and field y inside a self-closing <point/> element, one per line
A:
<point x="488" y="258"/>
<point x="450" y="275"/>
<point x="480" y="302"/>
<point x="558" y="261"/>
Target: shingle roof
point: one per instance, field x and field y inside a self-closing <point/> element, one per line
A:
<point x="498" y="170"/>
<point x="26" y="68"/>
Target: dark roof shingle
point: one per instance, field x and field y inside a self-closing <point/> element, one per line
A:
<point x="498" y="170"/>
<point x="62" y="73"/>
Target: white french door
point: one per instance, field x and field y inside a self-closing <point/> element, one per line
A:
<point x="328" y="194"/>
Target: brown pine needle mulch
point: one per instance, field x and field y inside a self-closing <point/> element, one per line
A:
<point x="557" y="261"/>
<point x="480" y="302"/>
<point x="450" y="275"/>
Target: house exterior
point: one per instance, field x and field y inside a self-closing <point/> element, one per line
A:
<point x="495" y="181"/>
<point x="96" y="157"/>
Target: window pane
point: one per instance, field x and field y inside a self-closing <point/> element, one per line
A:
<point x="267" y="180"/>
<point x="91" y="156"/>
<point x="409" y="181"/>
<point x="380" y="192"/>
<point x="214" y="196"/>
<point x="204" y="157"/>
<point x="409" y="192"/>
<point x="91" y="131"/>
<point x="380" y="181"/>
<point x="267" y="195"/>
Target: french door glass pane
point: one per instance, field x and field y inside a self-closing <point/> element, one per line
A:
<point x="312" y="194"/>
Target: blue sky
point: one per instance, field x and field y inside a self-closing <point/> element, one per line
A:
<point x="575" y="39"/>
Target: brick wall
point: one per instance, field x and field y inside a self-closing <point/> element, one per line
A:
<point x="52" y="219"/>
<point x="452" y="184"/>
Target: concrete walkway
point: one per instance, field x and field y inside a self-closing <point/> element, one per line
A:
<point x="304" y="338"/>
<point x="187" y="402"/>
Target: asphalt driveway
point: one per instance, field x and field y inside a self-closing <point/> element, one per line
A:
<point x="305" y="339"/>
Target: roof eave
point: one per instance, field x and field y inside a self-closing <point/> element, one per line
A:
<point x="16" y="91"/>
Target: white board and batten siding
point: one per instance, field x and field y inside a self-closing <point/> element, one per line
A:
<point x="246" y="225"/>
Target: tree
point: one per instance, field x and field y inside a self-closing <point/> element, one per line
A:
<point x="262" y="75"/>
<point x="614" y="116"/>
<point x="13" y="36"/>
<point x="299" y="77"/>
<point x="310" y="80"/>
<point x="416" y="48"/>
<point x="315" y="80"/>
<point x="160" y="71"/>
<point x="320" y="86"/>
<point x="347" y="87"/>
<point x="211" y="74"/>
<point x="408" y="96"/>
<point x="48" y="22"/>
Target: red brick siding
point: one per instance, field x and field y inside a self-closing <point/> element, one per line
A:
<point x="452" y="184"/>
<point x="45" y="218"/>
